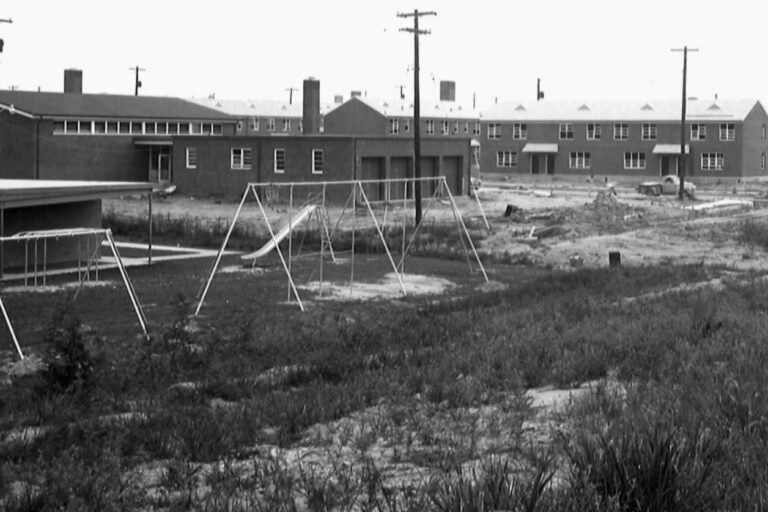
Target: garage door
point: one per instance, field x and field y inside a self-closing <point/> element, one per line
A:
<point x="399" y="167"/>
<point x="373" y="169"/>
<point x="429" y="169"/>
<point x="452" y="173"/>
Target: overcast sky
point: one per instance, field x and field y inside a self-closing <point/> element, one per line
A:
<point x="581" y="49"/>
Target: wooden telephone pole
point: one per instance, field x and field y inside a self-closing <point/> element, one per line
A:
<point x="681" y="173"/>
<point x="416" y="106"/>
<point x="137" y="82"/>
<point x="290" y="94"/>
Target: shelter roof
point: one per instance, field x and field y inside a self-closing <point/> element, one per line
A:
<point x="17" y="193"/>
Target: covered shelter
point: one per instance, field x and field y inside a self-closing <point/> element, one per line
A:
<point x="44" y="205"/>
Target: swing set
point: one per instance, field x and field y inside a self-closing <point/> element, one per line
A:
<point x="88" y="243"/>
<point x="315" y="209"/>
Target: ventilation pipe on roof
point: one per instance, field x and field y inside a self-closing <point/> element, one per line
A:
<point x="338" y="99"/>
<point x="355" y="94"/>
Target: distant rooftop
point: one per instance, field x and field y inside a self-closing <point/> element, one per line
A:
<point x="258" y="108"/>
<point x="429" y="108"/>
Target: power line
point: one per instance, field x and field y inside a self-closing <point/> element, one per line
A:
<point x="681" y="170"/>
<point x="416" y="106"/>
<point x="137" y="82"/>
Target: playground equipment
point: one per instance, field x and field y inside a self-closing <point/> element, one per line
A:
<point x="87" y="260"/>
<point x="264" y="192"/>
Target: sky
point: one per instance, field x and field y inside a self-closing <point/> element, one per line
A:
<point x="581" y="50"/>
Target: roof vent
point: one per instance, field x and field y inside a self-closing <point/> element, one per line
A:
<point x="218" y="104"/>
<point x="584" y="106"/>
<point x="714" y="106"/>
<point x="647" y="106"/>
<point x="386" y="104"/>
<point x="520" y="107"/>
<point x="251" y="106"/>
<point x="283" y="108"/>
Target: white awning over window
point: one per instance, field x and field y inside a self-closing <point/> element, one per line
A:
<point x="533" y="147"/>
<point x="669" y="149"/>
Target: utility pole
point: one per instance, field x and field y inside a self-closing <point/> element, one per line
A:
<point x="416" y="106"/>
<point x="685" y="50"/>
<point x="290" y="94"/>
<point x="137" y="82"/>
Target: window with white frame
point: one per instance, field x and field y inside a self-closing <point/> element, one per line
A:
<point x="406" y="125"/>
<point x="466" y="126"/>
<point x="648" y="131"/>
<point x="579" y="160"/>
<point x="286" y="125"/>
<point x="254" y="124"/>
<point x="394" y="126"/>
<point x="278" y="160"/>
<point x="239" y="125"/>
<point x="191" y="157"/>
<point x="762" y="162"/>
<point x="728" y="131"/>
<point x="594" y="131"/>
<point x="566" y="131"/>
<point x="634" y="160"/>
<point x="444" y="128"/>
<point x="762" y="137"/>
<point x="430" y="127"/>
<point x="240" y="158"/>
<point x="85" y="127"/>
<point x="494" y="130"/>
<point x="301" y="125"/>
<point x="271" y="124"/>
<point x="506" y="158"/>
<point x="698" y="132"/>
<point x="137" y="129"/>
<point x="712" y="162"/>
<point x="317" y="161"/>
<point x="519" y="131"/>
<point x="455" y="127"/>
<point x="476" y="128"/>
<point x="620" y="131"/>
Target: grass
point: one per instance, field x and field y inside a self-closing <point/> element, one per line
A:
<point x="314" y="411"/>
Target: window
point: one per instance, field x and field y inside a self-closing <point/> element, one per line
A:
<point x="191" y="158"/>
<point x="406" y="126"/>
<point x="519" y="131"/>
<point x="240" y="126"/>
<point x="217" y="129"/>
<point x="301" y="125"/>
<point x="394" y="126"/>
<point x="99" y="127"/>
<point x="241" y="158"/>
<point x="476" y="128"/>
<point x="444" y="128"/>
<point x="698" y="132"/>
<point x="494" y="130"/>
<point x="762" y="162"/>
<point x="566" y="131"/>
<point x="149" y="128"/>
<point x="317" y="161"/>
<point x="279" y="161"/>
<point x="85" y="127"/>
<point x="648" y="131"/>
<point x="254" y="124"/>
<point x="455" y="127"/>
<point x="286" y="125"/>
<point x="727" y="131"/>
<point x="430" y="127"/>
<point x="763" y="135"/>
<point x="196" y="128"/>
<point x="112" y="126"/>
<point x="173" y="128"/>
<point x="712" y="162"/>
<point x="124" y="127"/>
<point x="506" y="159"/>
<point x="466" y="126"/>
<point x="594" y="131"/>
<point x="580" y="160"/>
<point x="183" y="128"/>
<point x="620" y="131"/>
<point x="271" y="124"/>
<point x="634" y="160"/>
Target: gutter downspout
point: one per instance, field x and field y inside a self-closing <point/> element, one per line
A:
<point x="37" y="147"/>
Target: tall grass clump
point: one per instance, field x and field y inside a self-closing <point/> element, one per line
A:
<point x="754" y="233"/>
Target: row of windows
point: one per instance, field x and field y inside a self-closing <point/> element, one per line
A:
<point x="254" y="124"/>
<point x="90" y="127"/>
<point x="446" y="127"/>
<point x="242" y="159"/>
<point x="594" y="131"/>
<point x="632" y="160"/>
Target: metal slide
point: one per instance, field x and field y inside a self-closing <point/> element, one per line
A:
<point x="280" y="235"/>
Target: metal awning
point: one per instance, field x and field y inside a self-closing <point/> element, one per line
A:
<point x="532" y="147"/>
<point x="153" y="142"/>
<point x="669" y="149"/>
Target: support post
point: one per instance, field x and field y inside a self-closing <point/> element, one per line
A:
<point x="149" y="215"/>
<point x="10" y="329"/>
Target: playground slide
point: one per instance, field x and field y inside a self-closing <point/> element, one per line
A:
<point x="280" y="235"/>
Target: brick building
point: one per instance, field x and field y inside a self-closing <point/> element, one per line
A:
<point x="723" y="138"/>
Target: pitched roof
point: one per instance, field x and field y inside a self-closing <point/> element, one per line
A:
<point x="257" y="108"/>
<point x="661" y="110"/>
<point x="59" y="104"/>
<point x="429" y="108"/>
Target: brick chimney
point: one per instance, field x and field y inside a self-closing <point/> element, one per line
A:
<point x="447" y="90"/>
<point x="311" y="107"/>
<point x="73" y="81"/>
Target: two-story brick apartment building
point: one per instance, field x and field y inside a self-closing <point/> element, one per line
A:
<point x="723" y="138"/>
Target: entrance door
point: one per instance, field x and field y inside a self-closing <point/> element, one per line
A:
<point x="541" y="163"/>
<point x="534" y="163"/>
<point x="669" y="164"/>
<point x="160" y="164"/>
